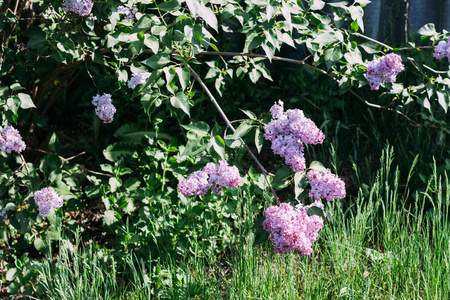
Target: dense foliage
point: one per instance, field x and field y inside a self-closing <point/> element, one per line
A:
<point x="164" y="77"/>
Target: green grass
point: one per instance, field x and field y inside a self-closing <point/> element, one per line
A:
<point x="386" y="245"/>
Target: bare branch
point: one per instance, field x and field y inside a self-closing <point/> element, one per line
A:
<point x="303" y="63"/>
<point x="229" y="125"/>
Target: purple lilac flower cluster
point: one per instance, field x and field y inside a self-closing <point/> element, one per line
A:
<point x="11" y="140"/>
<point x="139" y="78"/>
<point x="128" y="13"/>
<point x="211" y="176"/>
<point x="442" y="49"/>
<point x="80" y="7"/>
<point x="105" y="110"/>
<point x="47" y="200"/>
<point x="325" y="185"/>
<point x="4" y="215"/>
<point x="289" y="131"/>
<point x="384" y="69"/>
<point x="291" y="228"/>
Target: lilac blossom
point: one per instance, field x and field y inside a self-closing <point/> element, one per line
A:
<point x="47" y="200"/>
<point x="80" y="7"/>
<point x="139" y="78"/>
<point x="384" y="69"/>
<point x="105" y="110"/>
<point x="11" y="140"/>
<point x="211" y="176"/>
<point x="128" y="13"/>
<point x="195" y="184"/>
<point x="325" y="185"/>
<point x="289" y="131"/>
<point x="442" y="49"/>
<point x="291" y="228"/>
<point x="4" y="215"/>
<point x="222" y="175"/>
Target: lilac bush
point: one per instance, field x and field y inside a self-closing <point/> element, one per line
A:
<point x="384" y="69"/>
<point x="105" y="110"/>
<point x="47" y="200"/>
<point x="291" y="228"/>
<point x="289" y="131"/>
<point x="139" y="78"/>
<point x="11" y="140"/>
<point x="325" y="185"/>
<point x="79" y="7"/>
<point x="442" y="49"/>
<point x="3" y="215"/>
<point x="128" y="13"/>
<point x="195" y="184"/>
<point x="211" y="176"/>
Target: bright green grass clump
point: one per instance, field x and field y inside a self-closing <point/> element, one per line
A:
<point x="386" y="245"/>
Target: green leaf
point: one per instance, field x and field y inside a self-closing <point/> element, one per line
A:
<point x="37" y="38"/>
<point x="114" y="184"/>
<point x="25" y="101"/>
<point x="13" y="104"/>
<point x="16" y="87"/>
<point x="197" y="8"/>
<point x="53" y="143"/>
<point x="132" y="184"/>
<point x="317" y="166"/>
<point x="152" y="42"/>
<point x="180" y="101"/>
<point x="157" y="61"/>
<point x="316" y="4"/>
<point x="13" y="287"/>
<point x="249" y="114"/>
<point x="194" y="147"/>
<point x="114" y="151"/>
<point x="370" y="48"/>
<point x="41" y="246"/>
<point x="427" y="30"/>
<point x="252" y="41"/>
<point x="357" y="13"/>
<point x="443" y="99"/>
<point x="325" y="38"/>
<point x="199" y="128"/>
<point x="282" y="174"/>
<point x="363" y="2"/>
<point x="184" y="76"/>
<point x="12" y="274"/>
<point x="332" y="56"/>
<point x="269" y="49"/>
<point x="338" y="4"/>
<point x="143" y="24"/>
<point x="172" y="5"/>
<point x="50" y="162"/>
<point x="109" y="218"/>
<point x="219" y="146"/>
<point x="259" y="139"/>
<point x="300" y="183"/>
<point x="242" y="130"/>
<point x="314" y="210"/>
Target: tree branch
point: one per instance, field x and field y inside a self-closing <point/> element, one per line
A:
<point x="229" y="125"/>
<point x="303" y="63"/>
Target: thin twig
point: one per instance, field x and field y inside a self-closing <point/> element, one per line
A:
<point x="383" y="107"/>
<point x="435" y="71"/>
<point x="229" y="125"/>
<point x="25" y="163"/>
<point x="412" y="48"/>
<point x="357" y="34"/>
<point x="303" y="62"/>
